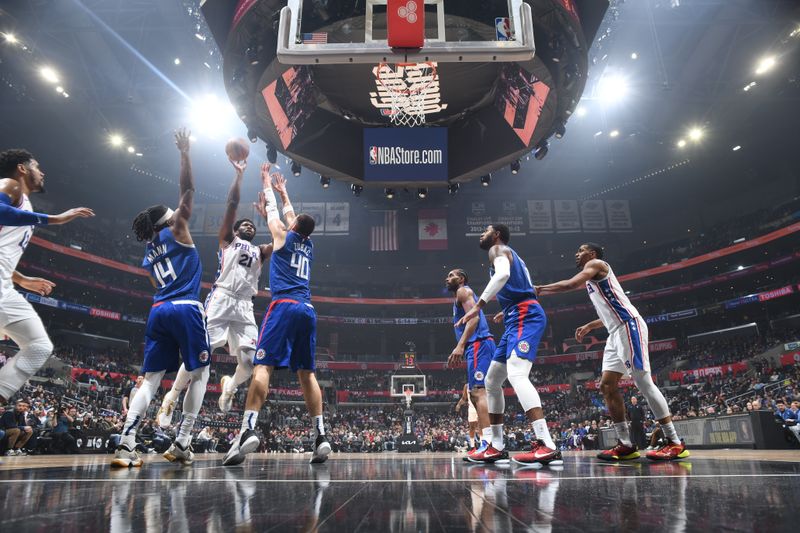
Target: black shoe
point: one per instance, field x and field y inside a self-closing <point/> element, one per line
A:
<point x="321" y="450"/>
<point x="246" y="443"/>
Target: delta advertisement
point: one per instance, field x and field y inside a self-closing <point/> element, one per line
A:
<point x="405" y="154"/>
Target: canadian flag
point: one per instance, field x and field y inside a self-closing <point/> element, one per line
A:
<point x="432" y="229"/>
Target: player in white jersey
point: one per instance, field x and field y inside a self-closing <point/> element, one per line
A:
<point x="229" y="305"/>
<point x="20" y="176"/>
<point x="626" y="352"/>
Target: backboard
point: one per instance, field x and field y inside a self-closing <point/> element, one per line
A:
<point x="353" y="31"/>
<point x="403" y="382"/>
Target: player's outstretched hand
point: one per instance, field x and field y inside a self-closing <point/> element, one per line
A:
<point x="182" y="140"/>
<point x="498" y="318"/>
<point x="69" y="215"/>
<point x="581" y="332"/>
<point x="279" y="182"/>
<point x="239" y="166"/>
<point x="266" y="181"/>
<point x="40" y="286"/>
<point x="260" y="205"/>
<point x="456" y="357"/>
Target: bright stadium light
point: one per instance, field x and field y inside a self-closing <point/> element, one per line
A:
<point x="612" y="88"/>
<point x="737" y="148"/>
<point x="765" y="65"/>
<point x="131" y="149"/>
<point x="59" y="89"/>
<point x="177" y="61"/>
<point x="613" y="133"/>
<point x="116" y="140"/>
<point x="681" y="143"/>
<point x="49" y="74"/>
<point x="213" y="117"/>
<point x="10" y="38"/>
<point x="634" y="55"/>
<point x="695" y="134"/>
<point x="580" y="111"/>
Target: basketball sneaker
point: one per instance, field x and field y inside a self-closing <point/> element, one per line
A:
<point x="669" y="452"/>
<point x="321" y="450"/>
<point x="488" y="455"/>
<point x="164" y="417"/>
<point x="469" y="452"/>
<point x="124" y="457"/>
<point x="226" y="398"/>
<point x="539" y="454"/>
<point x="178" y="453"/>
<point x="246" y="443"/>
<point x="620" y="452"/>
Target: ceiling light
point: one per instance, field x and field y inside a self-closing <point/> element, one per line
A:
<point x="356" y="189"/>
<point x="613" y="133"/>
<point x="599" y="133"/>
<point x="681" y="143"/>
<point x="200" y="36"/>
<point x="634" y="55"/>
<point x="541" y="150"/>
<point x="177" y="61"/>
<point x="612" y="88"/>
<point x="11" y="38"/>
<point x="580" y="111"/>
<point x="749" y="86"/>
<point x="422" y="192"/>
<point x="66" y="94"/>
<point x="296" y="168"/>
<point x="213" y="117"/>
<point x="131" y="149"/>
<point x="740" y="267"/>
<point x="389" y="193"/>
<point x="272" y="153"/>
<point x="116" y="139"/>
<point x="695" y="134"/>
<point x="559" y="130"/>
<point x="737" y="148"/>
<point x="325" y="182"/>
<point x="59" y="89"/>
<point x="515" y="166"/>
<point x="252" y="136"/>
<point x="486" y="180"/>
<point x="453" y="188"/>
<point x="49" y="74"/>
<point x="765" y="64"/>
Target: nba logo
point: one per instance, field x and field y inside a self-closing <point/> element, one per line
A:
<point x="503" y="27"/>
<point x="373" y="155"/>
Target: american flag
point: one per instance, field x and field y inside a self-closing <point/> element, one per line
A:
<point x="383" y="231"/>
<point x="315" y="38"/>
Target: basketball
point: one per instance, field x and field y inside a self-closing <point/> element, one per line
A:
<point x="237" y="149"/>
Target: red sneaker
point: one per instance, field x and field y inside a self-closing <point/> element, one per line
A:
<point x="669" y="452"/>
<point x="539" y="454"/>
<point x="620" y="452"/>
<point x="488" y="455"/>
<point x="469" y="452"/>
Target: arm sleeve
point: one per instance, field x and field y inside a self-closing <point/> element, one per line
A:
<point x="502" y="271"/>
<point x="11" y="216"/>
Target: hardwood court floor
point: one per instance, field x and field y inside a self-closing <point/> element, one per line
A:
<point x="740" y="490"/>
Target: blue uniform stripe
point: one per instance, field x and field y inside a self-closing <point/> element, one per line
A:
<point x="636" y="344"/>
<point x="616" y="305"/>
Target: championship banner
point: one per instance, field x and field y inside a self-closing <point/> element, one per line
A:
<point x="593" y="216"/>
<point x="619" y="215"/>
<point x="508" y="213"/>
<point x="337" y="218"/>
<point x="316" y="210"/>
<point x="432" y="229"/>
<point x="567" y="218"/>
<point x="540" y="216"/>
<point x="511" y="216"/>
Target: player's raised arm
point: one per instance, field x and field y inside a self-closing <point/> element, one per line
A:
<point x="268" y="208"/>
<point x="501" y="258"/>
<point x="232" y="204"/>
<point x="279" y="184"/>
<point x="590" y="270"/>
<point x="180" y="225"/>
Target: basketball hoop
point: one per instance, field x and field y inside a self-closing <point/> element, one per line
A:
<point x="407" y="395"/>
<point x="407" y="86"/>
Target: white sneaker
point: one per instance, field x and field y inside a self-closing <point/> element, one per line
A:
<point x="164" y="416"/>
<point x="246" y="443"/>
<point x="226" y="398"/>
<point x="178" y="453"/>
<point x="11" y="453"/>
<point x="124" y="457"/>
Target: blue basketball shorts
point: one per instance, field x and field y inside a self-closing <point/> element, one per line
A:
<point x="288" y="336"/>
<point x="525" y="323"/>
<point x="176" y="329"/>
<point x="478" y="356"/>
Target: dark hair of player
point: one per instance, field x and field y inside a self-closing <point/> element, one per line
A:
<point x="9" y="159"/>
<point x="304" y="225"/>
<point x="240" y="222"/>
<point x="462" y="274"/>
<point x="505" y="233"/>
<point x="144" y="223"/>
<point x="596" y="248"/>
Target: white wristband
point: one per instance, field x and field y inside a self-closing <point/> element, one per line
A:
<point x="271" y="205"/>
<point x="287" y="207"/>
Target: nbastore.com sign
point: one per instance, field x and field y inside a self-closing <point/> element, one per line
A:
<point x="405" y="154"/>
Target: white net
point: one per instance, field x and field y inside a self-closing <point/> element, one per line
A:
<point x="406" y="86"/>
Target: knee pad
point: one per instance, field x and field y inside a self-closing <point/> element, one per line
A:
<point x="31" y="358"/>
<point x="655" y="399"/>
<point x="495" y="377"/>
<point x="518" y="375"/>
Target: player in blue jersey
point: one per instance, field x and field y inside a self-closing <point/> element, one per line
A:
<point x="177" y="323"/>
<point x="475" y="344"/>
<point x="288" y="331"/>
<point x="525" y="323"/>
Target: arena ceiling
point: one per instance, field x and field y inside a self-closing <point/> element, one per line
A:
<point x="116" y="60"/>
